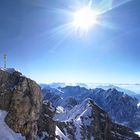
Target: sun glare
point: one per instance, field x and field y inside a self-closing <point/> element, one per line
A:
<point x="84" y="18"/>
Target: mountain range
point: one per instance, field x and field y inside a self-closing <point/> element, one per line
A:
<point x="121" y="107"/>
<point x="67" y="113"/>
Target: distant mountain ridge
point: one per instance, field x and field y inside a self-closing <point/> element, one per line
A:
<point x="127" y="88"/>
<point x="111" y="100"/>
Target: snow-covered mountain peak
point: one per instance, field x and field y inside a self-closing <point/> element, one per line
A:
<point x="77" y="111"/>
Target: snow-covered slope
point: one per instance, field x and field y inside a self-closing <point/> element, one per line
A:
<point x="5" y="132"/>
<point x="87" y="121"/>
<point x="75" y="113"/>
<point x="59" y="134"/>
<point x="138" y="133"/>
<point x="79" y="121"/>
<point x="111" y="100"/>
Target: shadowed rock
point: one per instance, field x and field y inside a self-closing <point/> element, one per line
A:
<point x="22" y="98"/>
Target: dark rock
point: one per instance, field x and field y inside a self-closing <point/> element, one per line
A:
<point x="22" y="98"/>
<point x="46" y="123"/>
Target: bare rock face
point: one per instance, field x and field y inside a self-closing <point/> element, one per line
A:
<point x="119" y="132"/>
<point x="21" y="97"/>
<point x="46" y="124"/>
<point x="7" y="84"/>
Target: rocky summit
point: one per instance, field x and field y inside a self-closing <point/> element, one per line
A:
<point x="21" y="98"/>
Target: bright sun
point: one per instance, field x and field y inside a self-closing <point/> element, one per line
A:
<point x="84" y="18"/>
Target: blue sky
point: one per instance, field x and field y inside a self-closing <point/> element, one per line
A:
<point x="33" y="35"/>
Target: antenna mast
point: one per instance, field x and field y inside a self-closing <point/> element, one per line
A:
<point x="5" y="60"/>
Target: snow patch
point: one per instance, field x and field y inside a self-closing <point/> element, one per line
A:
<point x="60" y="109"/>
<point x="5" y="132"/>
<point x="59" y="133"/>
<point x="138" y="105"/>
<point x="138" y="133"/>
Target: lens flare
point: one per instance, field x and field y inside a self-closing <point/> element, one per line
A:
<point x="84" y="18"/>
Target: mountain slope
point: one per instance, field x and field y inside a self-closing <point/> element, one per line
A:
<point x="111" y="100"/>
<point x="87" y="121"/>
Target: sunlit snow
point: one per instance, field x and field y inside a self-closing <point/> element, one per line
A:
<point x="58" y="132"/>
<point x="138" y="105"/>
<point x="5" y="132"/>
<point x="138" y="133"/>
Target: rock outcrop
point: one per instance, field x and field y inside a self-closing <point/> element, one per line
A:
<point x="46" y="124"/>
<point x="21" y="98"/>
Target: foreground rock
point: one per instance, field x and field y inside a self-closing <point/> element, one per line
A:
<point x="46" y="124"/>
<point x="21" y="98"/>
